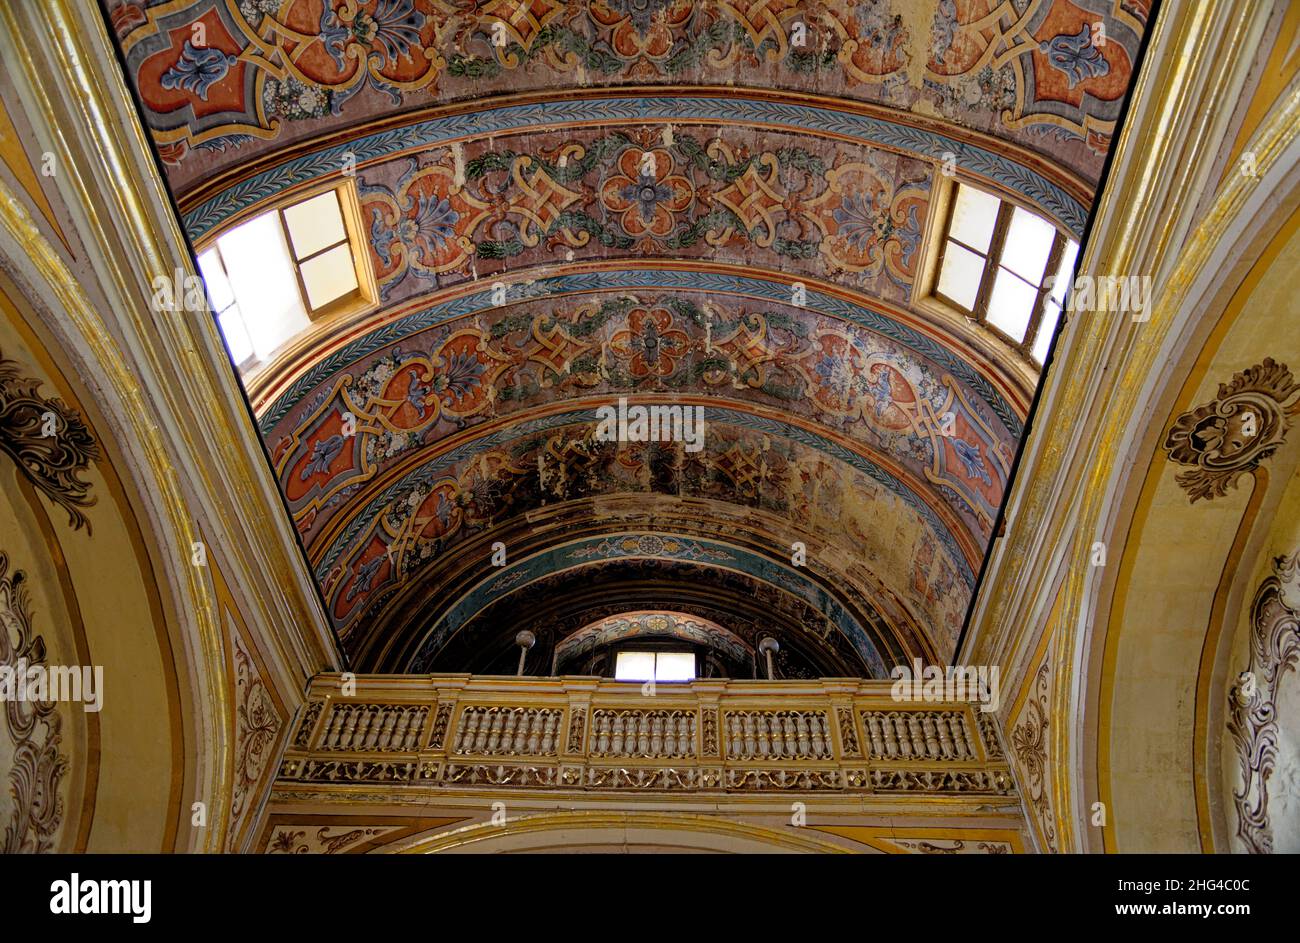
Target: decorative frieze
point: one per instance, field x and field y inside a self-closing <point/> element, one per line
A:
<point x="710" y="729"/>
<point x="680" y="741"/>
<point x="577" y="723"/>
<point x="989" y="736"/>
<point x="311" y="713"/>
<point x="848" y="733"/>
<point x="993" y="782"/>
<point x="483" y="774"/>
<point x="441" y="721"/>
<point x="348" y="771"/>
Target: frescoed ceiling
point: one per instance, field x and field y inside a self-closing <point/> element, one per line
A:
<point x="531" y="270"/>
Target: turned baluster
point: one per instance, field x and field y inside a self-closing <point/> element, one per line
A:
<point x="918" y="740"/>
<point x="349" y="729"/>
<point x="946" y="749"/>
<point x="548" y="731"/>
<point x="618" y="735"/>
<point x="931" y="741"/>
<point x="336" y="729"/>
<point x="818" y="735"/>
<point x="409" y="724"/>
<point x="801" y="731"/>
<point x="484" y="728"/>
<point x="965" y="735"/>
<point x="904" y="741"/>
<point x="873" y="733"/>
<point x="465" y="736"/>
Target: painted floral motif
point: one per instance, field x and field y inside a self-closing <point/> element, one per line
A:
<point x="295" y="101"/>
<point x="444" y="217"/>
<point x="197" y="70"/>
<point x="872" y="221"/>
<point x="1076" y="56"/>
<point x="421" y="522"/>
<point x="646" y="192"/>
<point x="409" y="397"/>
<point x="323" y="453"/>
<point x="651" y="344"/>
<point x="417" y="226"/>
<point x="398" y="52"/>
<point x="642" y="27"/>
<point x="390" y="31"/>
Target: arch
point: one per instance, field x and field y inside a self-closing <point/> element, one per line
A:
<point x="629" y="831"/>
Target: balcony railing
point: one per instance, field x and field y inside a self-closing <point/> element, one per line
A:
<point x="579" y="733"/>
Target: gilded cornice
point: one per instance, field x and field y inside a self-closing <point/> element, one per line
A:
<point x="91" y="122"/>
<point x="170" y="390"/>
<point x="1103" y="373"/>
<point x="193" y="587"/>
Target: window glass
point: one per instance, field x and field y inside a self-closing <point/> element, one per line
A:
<point x="661" y="666"/>
<point x="232" y="328"/>
<point x="973" y="217"/>
<point x="1046" y="328"/>
<point x="960" y="278"/>
<point x="674" y="666"/>
<point x="1028" y="244"/>
<point x="315" y="224"/>
<point x="1004" y="285"/>
<point x="262" y="279"/>
<point x="1011" y="305"/>
<point x="329" y="276"/>
<point x="634" y="666"/>
<point x="1063" y="273"/>
<point x="214" y="277"/>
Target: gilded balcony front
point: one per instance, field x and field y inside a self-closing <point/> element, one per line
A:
<point x="579" y="733"/>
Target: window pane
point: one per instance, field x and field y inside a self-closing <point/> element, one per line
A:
<point x="973" y="217"/>
<point x="1029" y="243"/>
<point x="1046" y="328"/>
<point x="961" y="274"/>
<point x="1063" y="273"/>
<point x="634" y="666"/>
<point x="1011" y="305"/>
<point x="674" y="666"/>
<point x="236" y="334"/>
<point x="262" y="278"/>
<point x="315" y="224"/>
<point x="214" y="276"/>
<point x="328" y="276"/>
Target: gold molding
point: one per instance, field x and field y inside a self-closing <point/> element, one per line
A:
<point x="49" y="266"/>
<point x="109" y="169"/>
<point x="467" y="836"/>
<point x="1166" y="149"/>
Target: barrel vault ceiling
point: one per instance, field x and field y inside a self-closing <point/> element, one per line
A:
<point x="766" y="270"/>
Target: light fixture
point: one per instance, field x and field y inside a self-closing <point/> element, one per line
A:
<point x="525" y="640"/>
<point x="769" y="647"/>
